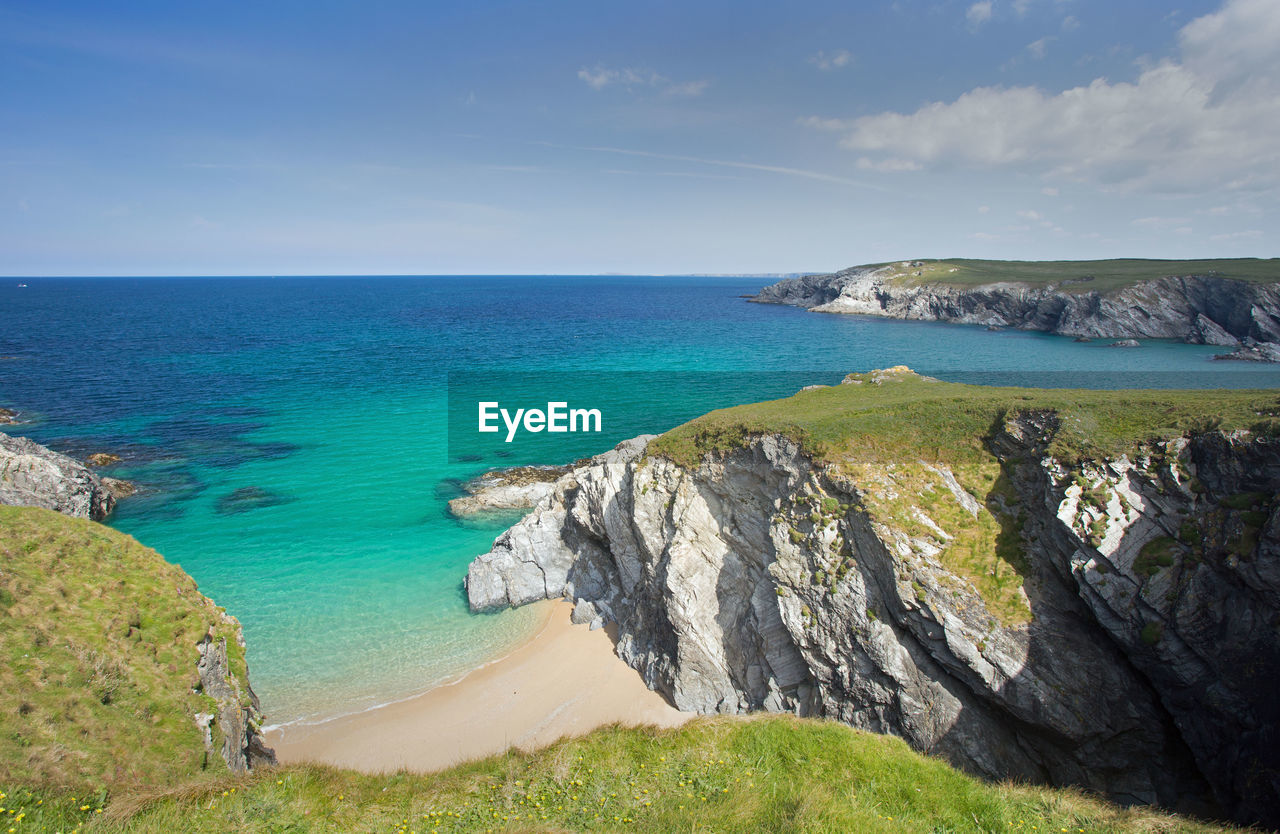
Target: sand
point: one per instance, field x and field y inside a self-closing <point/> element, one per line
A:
<point x="566" y="680"/>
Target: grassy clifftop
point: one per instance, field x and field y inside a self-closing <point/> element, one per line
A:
<point x="98" y="658"/>
<point x="725" y="774"/>
<point x="896" y="415"/>
<point x="97" y="637"/>
<point x="1080" y="276"/>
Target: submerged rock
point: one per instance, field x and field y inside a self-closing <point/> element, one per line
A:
<point x="1253" y="352"/>
<point x="102" y="459"/>
<point x="34" y="476"/>
<point x="119" y="488"/>
<point x="8" y="416"/>
<point x="1126" y="343"/>
<point x="249" y="498"/>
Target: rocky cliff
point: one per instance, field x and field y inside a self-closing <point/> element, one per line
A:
<point x="32" y="475"/>
<point x="1200" y="309"/>
<point x="1108" y="622"/>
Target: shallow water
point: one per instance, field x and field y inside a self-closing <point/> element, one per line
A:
<point x="293" y="440"/>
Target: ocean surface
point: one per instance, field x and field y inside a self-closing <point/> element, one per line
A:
<point x="297" y="439"/>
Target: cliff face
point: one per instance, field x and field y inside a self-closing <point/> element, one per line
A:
<point x="238" y="715"/>
<point x="34" y="476"/>
<point x="1109" y="624"/>
<point x="1198" y="309"/>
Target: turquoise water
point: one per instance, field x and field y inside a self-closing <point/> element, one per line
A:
<point x="292" y="439"/>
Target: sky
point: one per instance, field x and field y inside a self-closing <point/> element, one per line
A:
<point x="155" y="137"/>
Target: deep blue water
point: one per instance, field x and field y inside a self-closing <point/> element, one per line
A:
<point x="292" y="439"/>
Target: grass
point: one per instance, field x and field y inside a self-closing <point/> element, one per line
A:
<point x="776" y="773"/>
<point x="1156" y="554"/>
<point x="985" y="549"/>
<point x="887" y="430"/>
<point x="888" y="416"/>
<point x="1081" y="276"/>
<point x="98" y="658"/>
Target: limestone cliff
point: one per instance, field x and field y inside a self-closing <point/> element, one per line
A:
<point x="1200" y="309"/>
<point x="1108" y="623"/>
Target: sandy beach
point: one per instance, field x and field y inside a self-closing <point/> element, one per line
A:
<point x="566" y="680"/>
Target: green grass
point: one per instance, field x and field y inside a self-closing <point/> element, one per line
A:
<point x="98" y="658"/>
<point x="1103" y="275"/>
<point x="775" y="773"/>
<point x="985" y="549"/>
<point x="885" y="428"/>
<point x="97" y="654"/>
<point x="906" y="417"/>
<point x="1156" y="554"/>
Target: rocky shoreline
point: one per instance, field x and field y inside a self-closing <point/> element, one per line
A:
<point x="1143" y="667"/>
<point x="1198" y="309"/>
<point x="500" y="490"/>
<point x="35" y="476"/>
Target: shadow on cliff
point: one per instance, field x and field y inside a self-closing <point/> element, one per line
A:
<point x="1082" y="712"/>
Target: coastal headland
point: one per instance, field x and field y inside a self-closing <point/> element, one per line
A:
<point x="1229" y="302"/>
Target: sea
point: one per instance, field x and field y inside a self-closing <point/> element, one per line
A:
<point x="296" y="440"/>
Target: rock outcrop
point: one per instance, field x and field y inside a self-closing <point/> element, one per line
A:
<point x="517" y="488"/>
<point x="237" y="720"/>
<point x="1121" y="635"/>
<point x="1200" y="309"/>
<point x="34" y="476"/>
<point x="1251" y="351"/>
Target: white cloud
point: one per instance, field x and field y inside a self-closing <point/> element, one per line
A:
<point x="1070" y="24"/>
<point x="1158" y="222"/>
<point x="1203" y="121"/>
<point x="983" y="209"/>
<point x="891" y="164"/>
<point x="600" y="76"/>
<point x="831" y="61"/>
<point x="802" y="173"/>
<point x="1249" y="234"/>
<point x="819" y="123"/>
<point x="677" y="174"/>
<point x="979" y="13"/>
<point x="1049" y="191"/>
<point x="1037" y="48"/>
<point x="686" y="88"/>
<point x="1031" y="214"/>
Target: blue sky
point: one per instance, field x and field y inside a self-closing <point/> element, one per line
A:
<point x="328" y="137"/>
